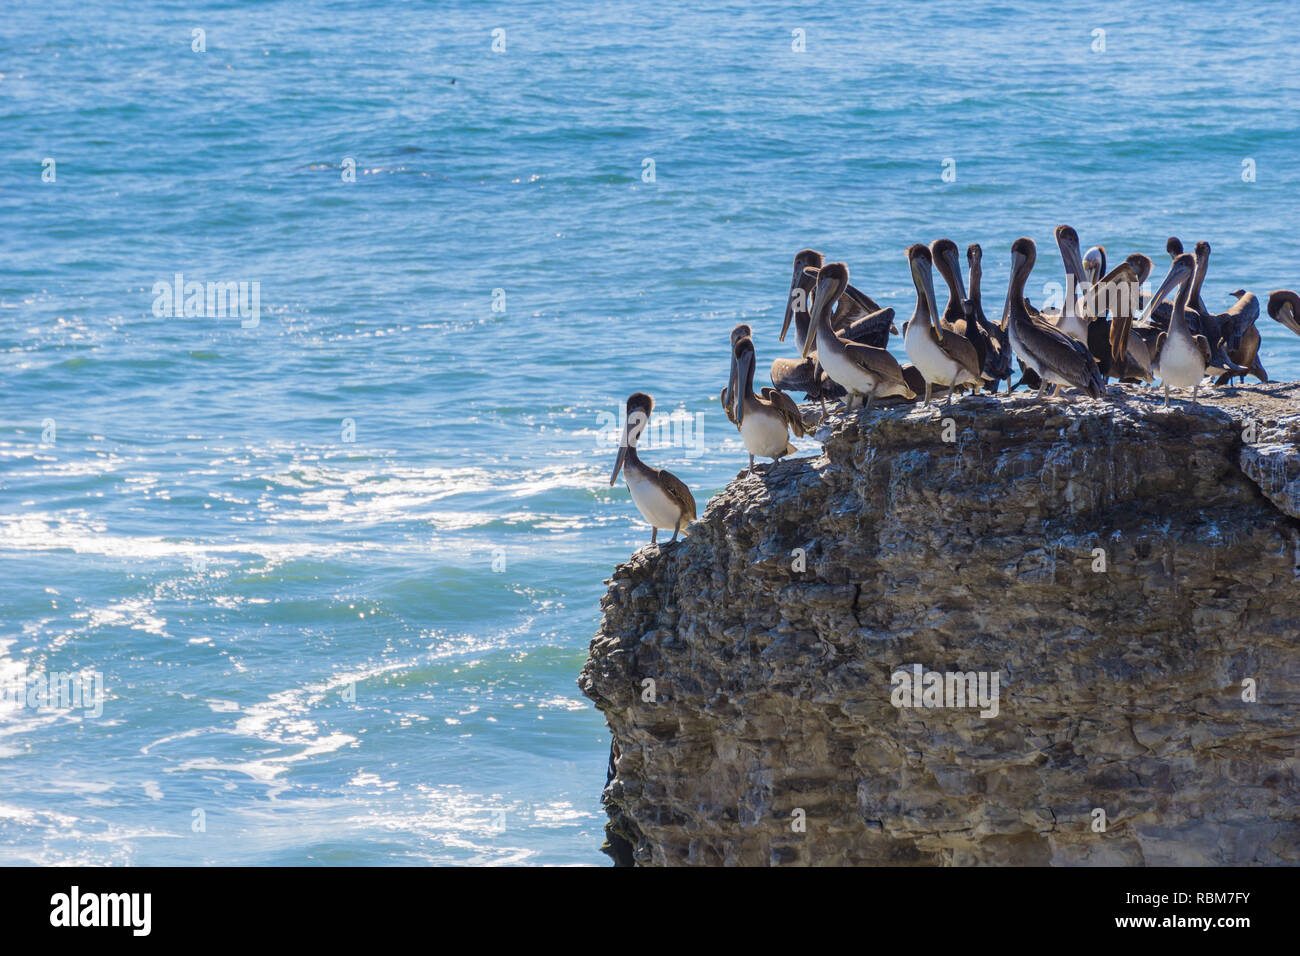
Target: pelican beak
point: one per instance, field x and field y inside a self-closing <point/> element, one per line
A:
<point x="1077" y="269"/>
<point x="1175" y="276"/>
<point x="789" y="300"/>
<point x="618" y="463"/>
<point x="732" y="379"/>
<point x="954" y="264"/>
<point x="821" y="305"/>
<point x="1286" y="315"/>
<point x="923" y="278"/>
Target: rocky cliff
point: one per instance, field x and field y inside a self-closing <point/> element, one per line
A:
<point x="1126" y="576"/>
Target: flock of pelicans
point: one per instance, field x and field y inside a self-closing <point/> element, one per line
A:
<point x="842" y="334"/>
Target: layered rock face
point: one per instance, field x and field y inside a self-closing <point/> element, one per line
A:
<point x="1129" y="574"/>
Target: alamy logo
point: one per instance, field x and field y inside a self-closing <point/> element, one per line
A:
<point x="922" y="688"/>
<point x="57" y="690"/>
<point x="102" y="909"/>
<point x="212" y="300"/>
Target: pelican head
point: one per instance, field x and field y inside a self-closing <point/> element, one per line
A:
<point x="1067" y="240"/>
<point x="832" y="280"/>
<point x="1094" y="263"/>
<point x="921" y="262"/>
<point x="1142" y="265"/>
<point x="1174" y="246"/>
<point x="1023" y="255"/>
<point x="639" y="406"/>
<point x="803" y="259"/>
<point x="1284" y="307"/>
<point x="947" y="260"/>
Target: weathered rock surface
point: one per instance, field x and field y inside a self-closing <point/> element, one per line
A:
<point x="1121" y="690"/>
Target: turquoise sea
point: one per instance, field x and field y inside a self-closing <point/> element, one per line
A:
<point x="338" y="569"/>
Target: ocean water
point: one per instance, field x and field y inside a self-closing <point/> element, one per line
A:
<point x="338" y="570"/>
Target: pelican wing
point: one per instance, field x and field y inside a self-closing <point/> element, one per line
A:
<point x="962" y="351"/>
<point x="1207" y="353"/>
<point x="873" y="329"/>
<point x="676" y="489"/>
<point x="879" y="363"/>
<point x="784" y="404"/>
<point x="725" y="396"/>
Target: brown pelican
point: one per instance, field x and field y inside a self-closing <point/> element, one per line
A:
<point x="942" y="356"/>
<point x="1240" y="338"/>
<point x="958" y="316"/>
<point x="1199" y="318"/>
<point x="857" y="318"/>
<point x="1180" y="358"/>
<point x="659" y="495"/>
<point x="1126" y="354"/>
<point x="1055" y="357"/>
<point x="764" y="421"/>
<point x="1284" y="308"/>
<point x="1069" y="321"/>
<point x="860" y="369"/>
<point x="998" y="361"/>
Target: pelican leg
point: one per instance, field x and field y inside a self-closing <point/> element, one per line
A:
<point x="1042" y="385"/>
<point x="870" y="399"/>
<point x="654" y="533"/>
<point x="825" y="413"/>
<point x="751" y="466"/>
<point x="1195" y="388"/>
<point x="1166" y="394"/>
<point x="927" y="393"/>
<point x="948" y="401"/>
<point x="677" y="527"/>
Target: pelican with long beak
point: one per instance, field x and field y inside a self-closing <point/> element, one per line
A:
<point x="997" y="361"/>
<point x="958" y="315"/>
<point x="764" y="421"/>
<point x="661" y="497"/>
<point x="741" y="331"/>
<point x="863" y="370"/>
<point x="1055" y="357"/>
<point x="942" y="356"/>
<point x="1070" y="321"/>
<point x="1180" y="358"/>
<point x="1127" y="356"/>
<point x="801" y="374"/>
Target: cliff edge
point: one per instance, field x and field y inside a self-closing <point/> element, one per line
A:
<point x="1124" y="578"/>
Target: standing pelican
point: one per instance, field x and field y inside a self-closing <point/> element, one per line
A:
<point x="958" y="316"/>
<point x="764" y="421"/>
<point x="1069" y="320"/>
<point x="1055" y="357"/>
<point x="661" y="497"/>
<point x="1127" y="356"/>
<point x="997" y="361"/>
<point x="1180" y="357"/>
<point x="1241" y="339"/>
<point x="860" y="369"/>
<point x="942" y="357"/>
